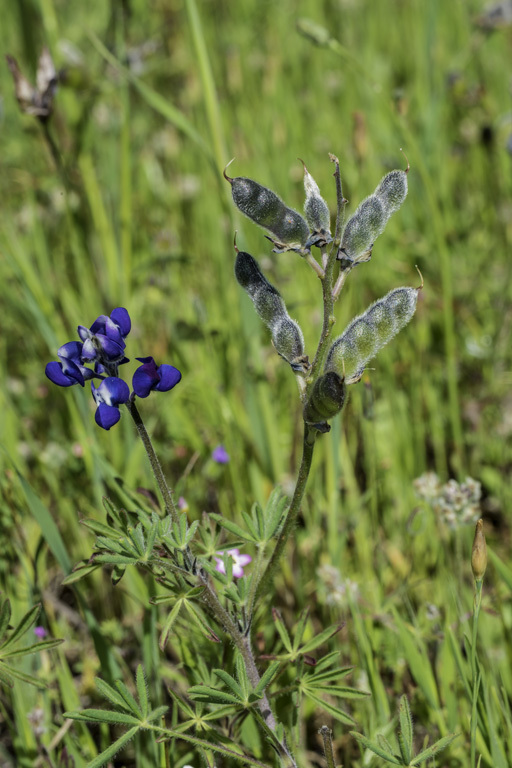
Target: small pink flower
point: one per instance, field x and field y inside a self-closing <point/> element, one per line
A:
<point x="40" y="632"/>
<point x="239" y="562"/>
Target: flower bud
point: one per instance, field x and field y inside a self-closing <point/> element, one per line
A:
<point x="327" y="398"/>
<point x="286" y="334"/>
<point x="316" y="212"/>
<point x="369" y="332"/>
<point x="265" y="208"/>
<point x="479" y="552"/>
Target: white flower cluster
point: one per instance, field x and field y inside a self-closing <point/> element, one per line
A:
<point x="455" y="503"/>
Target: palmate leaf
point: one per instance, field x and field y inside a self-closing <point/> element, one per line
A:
<point x="213" y="696"/>
<point x="375" y="748"/>
<point x="7" y="651"/>
<point x="333" y="710"/>
<point x="405" y="741"/>
<point x="434" y="749"/>
<point x="113" y="749"/>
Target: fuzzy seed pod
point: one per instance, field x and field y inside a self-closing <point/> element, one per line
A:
<point x="370" y="219"/>
<point x="316" y="212"/>
<point x="363" y="228"/>
<point x="366" y="334"/>
<point x="286" y="334"/>
<point x="289" y="341"/>
<point x="327" y="398"/>
<point x="288" y="229"/>
<point x="392" y="190"/>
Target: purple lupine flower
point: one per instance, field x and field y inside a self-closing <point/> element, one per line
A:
<point x="104" y="342"/>
<point x="70" y="370"/>
<point x="148" y="377"/>
<point x="239" y="562"/>
<point x="110" y="394"/>
<point x="220" y="455"/>
<point x="40" y="632"/>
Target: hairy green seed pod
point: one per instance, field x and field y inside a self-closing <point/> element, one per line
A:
<point x="286" y="333"/>
<point x="392" y="190"/>
<point x="316" y="212"/>
<point x="327" y="398"/>
<point x="288" y="228"/>
<point x="289" y="341"/>
<point x="363" y="228"/>
<point x="370" y="219"/>
<point x="366" y="334"/>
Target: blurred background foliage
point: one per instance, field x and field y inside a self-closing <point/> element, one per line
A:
<point x="121" y="202"/>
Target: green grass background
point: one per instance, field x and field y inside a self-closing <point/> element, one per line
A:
<point x="158" y="96"/>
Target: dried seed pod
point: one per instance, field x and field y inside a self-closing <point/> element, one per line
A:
<point x="327" y="398"/>
<point x="286" y="333"/>
<point x="288" y="228"/>
<point x="369" y="332"/>
<point x="362" y="229"/>
<point x="316" y="212"/>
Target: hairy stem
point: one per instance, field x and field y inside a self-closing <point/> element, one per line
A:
<point x="293" y="511"/>
<point x="170" y="506"/>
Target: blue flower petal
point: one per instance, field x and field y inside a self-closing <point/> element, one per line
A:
<point x="145" y="377"/>
<point x="55" y="373"/>
<point x="99" y="324"/>
<point x="121" y="318"/>
<point x="169" y="377"/>
<point x="107" y="415"/>
<point x="111" y="351"/>
<point x="72" y="350"/>
<point x="113" y="391"/>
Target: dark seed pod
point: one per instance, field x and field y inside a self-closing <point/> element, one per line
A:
<point x="286" y="333"/>
<point x="366" y="334"/>
<point x="288" y="229"/>
<point x="327" y="398"/>
<point x="316" y="212"/>
<point x="363" y="228"/>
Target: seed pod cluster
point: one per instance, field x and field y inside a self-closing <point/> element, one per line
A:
<point x="316" y="212"/>
<point x="366" y="334"/>
<point x="369" y="220"/>
<point x="286" y="333"/>
<point x="288" y="228"/>
<point x="327" y="398"/>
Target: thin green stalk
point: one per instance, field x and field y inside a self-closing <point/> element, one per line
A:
<point x="293" y="510"/>
<point x="170" y="506"/>
<point x="475" y="673"/>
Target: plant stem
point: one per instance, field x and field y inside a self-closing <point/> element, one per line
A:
<point x="293" y="510"/>
<point x="170" y="506"/>
<point x="326" y="735"/>
<point x="475" y="674"/>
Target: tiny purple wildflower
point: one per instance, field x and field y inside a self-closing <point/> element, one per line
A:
<point x="110" y="394"/>
<point x="220" y="455"/>
<point x="239" y="562"/>
<point x="149" y="376"/>
<point x="40" y="632"/>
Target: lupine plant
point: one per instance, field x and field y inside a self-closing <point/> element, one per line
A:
<point x="200" y="568"/>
